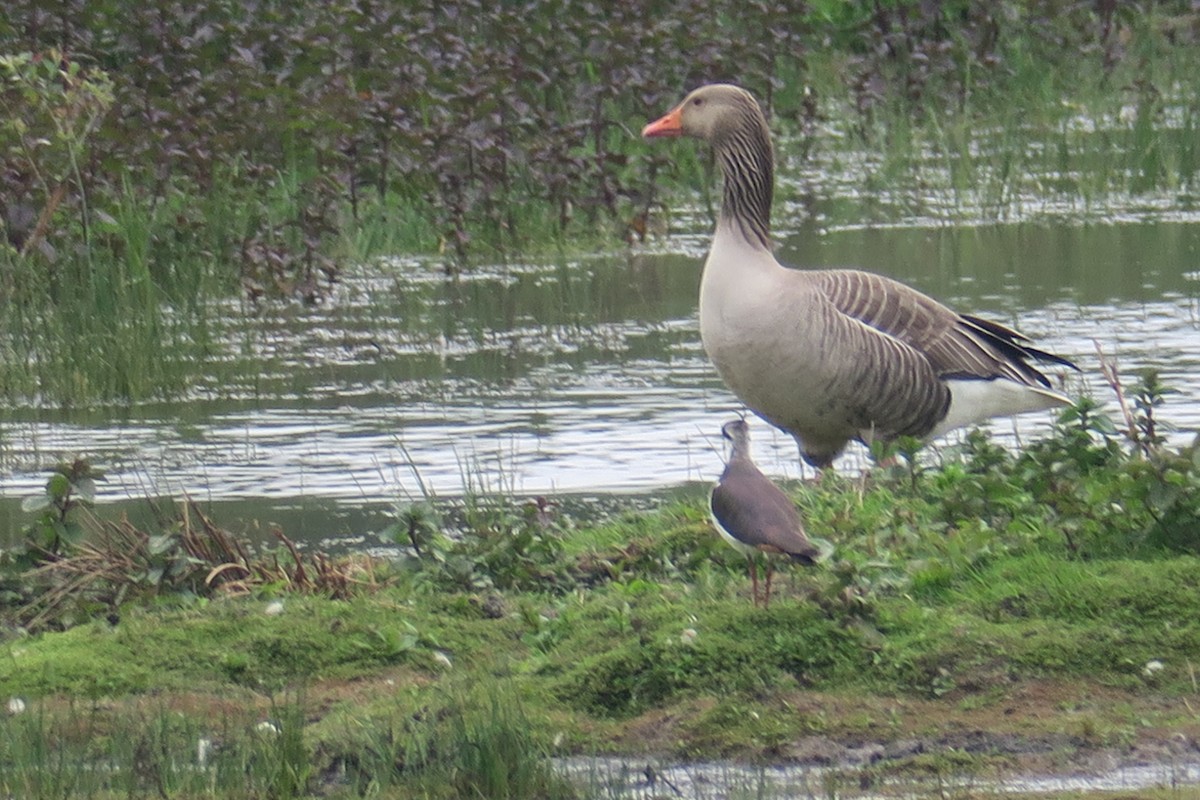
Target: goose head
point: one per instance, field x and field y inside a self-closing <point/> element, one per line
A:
<point x="729" y="119"/>
<point x="713" y="113"/>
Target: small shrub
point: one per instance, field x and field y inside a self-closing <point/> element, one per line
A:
<point x="500" y="546"/>
<point x="71" y="488"/>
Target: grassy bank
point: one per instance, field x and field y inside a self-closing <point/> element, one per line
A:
<point x="981" y="609"/>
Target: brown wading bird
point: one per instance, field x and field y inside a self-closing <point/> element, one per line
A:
<point x="753" y="514"/>
<point x="835" y="355"/>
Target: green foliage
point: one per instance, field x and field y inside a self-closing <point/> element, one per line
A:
<point x="500" y="546"/>
<point x="57" y="526"/>
<point x="638" y="659"/>
<point x="1148" y="394"/>
<point x="49" y="109"/>
<point x="415" y="527"/>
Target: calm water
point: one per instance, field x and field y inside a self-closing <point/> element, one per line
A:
<point x="586" y="375"/>
<point x="632" y="779"/>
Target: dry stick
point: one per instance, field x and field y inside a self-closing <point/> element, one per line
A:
<point x="300" y="575"/>
<point x="187" y="520"/>
<point x="43" y="222"/>
<point x="1109" y="370"/>
<point x="92" y="566"/>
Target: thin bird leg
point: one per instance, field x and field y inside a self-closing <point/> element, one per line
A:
<point x="770" y="572"/>
<point x="753" y="578"/>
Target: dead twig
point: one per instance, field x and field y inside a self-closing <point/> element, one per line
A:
<point x="43" y="222"/>
<point x="1108" y="368"/>
<point x="117" y="561"/>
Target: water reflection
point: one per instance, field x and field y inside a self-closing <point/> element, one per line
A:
<point x="582" y="375"/>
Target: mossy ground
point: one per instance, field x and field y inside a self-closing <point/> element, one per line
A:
<point x="1011" y="702"/>
<point x="981" y="610"/>
<point x="992" y="638"/>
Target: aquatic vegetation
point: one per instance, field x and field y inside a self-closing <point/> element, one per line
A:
<point x="71" y="487"/>
<point x="498" y="545"/>
<point x="515" y="126"/>
<point x="202" y="151"/>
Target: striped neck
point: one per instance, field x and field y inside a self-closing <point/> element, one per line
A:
<point x="747" y="165"/>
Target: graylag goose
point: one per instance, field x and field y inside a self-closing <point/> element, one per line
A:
<point x="753" y="514"/>
<point x="835" y="355"/>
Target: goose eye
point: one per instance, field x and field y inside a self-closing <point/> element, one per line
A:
<point x="699" y="101"/>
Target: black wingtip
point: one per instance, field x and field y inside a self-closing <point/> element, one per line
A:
<point x="1051" y="358"/>
<point x="810" y="556"/>
<point x="1013" y="344"/>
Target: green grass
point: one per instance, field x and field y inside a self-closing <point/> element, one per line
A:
<point x="586" y="674"/>
<point x="128" y="316"/>
<point x="80" y="751"/>
<point x="235" y="644"/>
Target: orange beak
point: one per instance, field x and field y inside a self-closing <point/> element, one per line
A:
<point x="670" y="125"/>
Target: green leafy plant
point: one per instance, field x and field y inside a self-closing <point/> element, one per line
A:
<point x="416" y="526"/>
<point x="57" y="527"/>
<point x="1148" y="395"/>
<point x="500" y="545"/>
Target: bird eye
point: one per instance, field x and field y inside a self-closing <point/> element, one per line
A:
<point x="698" y="101"/>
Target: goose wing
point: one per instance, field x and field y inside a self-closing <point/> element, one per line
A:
<point x="955" y="345"/>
